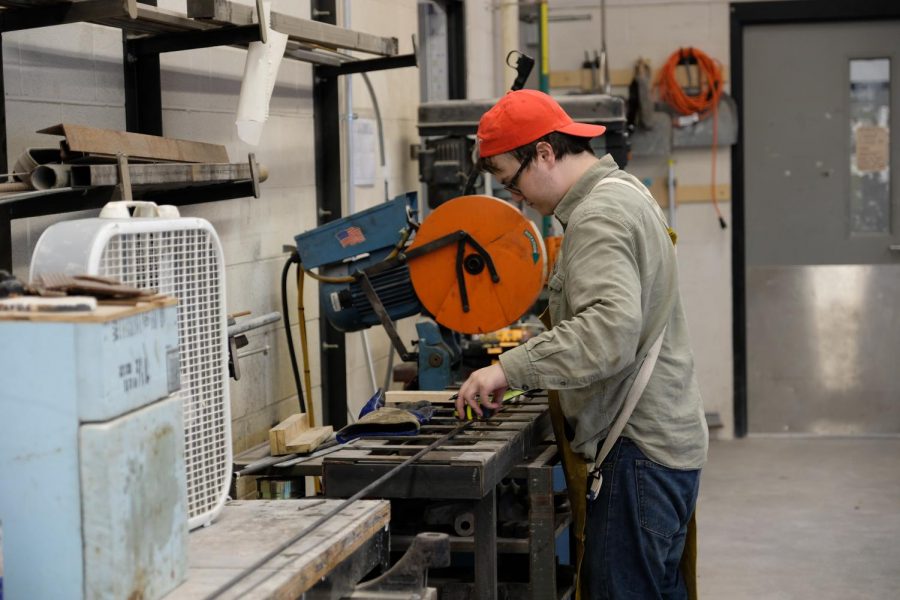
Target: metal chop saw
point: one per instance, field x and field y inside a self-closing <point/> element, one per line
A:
<point x="474" y="265"/>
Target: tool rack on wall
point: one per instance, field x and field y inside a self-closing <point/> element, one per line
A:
<point x="147" y="32"/>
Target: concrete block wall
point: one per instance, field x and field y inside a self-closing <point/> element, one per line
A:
<point x="68" y="73"/>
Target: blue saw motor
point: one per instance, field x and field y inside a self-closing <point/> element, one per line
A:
<point x="354" y="243"/>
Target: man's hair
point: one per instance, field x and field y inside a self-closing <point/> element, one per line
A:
<point x="561" y="143"/>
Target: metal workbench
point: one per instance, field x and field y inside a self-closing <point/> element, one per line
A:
<point x="469" y="466"/>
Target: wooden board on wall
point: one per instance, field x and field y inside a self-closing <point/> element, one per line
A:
<point x="690" y="194"/>
<point x="581" y="78"/>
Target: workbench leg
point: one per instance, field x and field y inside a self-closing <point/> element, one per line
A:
<point x="6" y="240"/>
<point x="486" y="547"/>
<point x="541" y="533"/>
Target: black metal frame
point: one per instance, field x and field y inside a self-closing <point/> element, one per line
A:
<point x="143" y="93"/>
<point x="326" y="118"/>
<point x="746" y="14"/>
<point x="456" y="49"/>
<point x="367" y="66"/>
<point x="191" y="40"/>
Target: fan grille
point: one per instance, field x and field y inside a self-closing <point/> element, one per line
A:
<point x="184" y="263"/>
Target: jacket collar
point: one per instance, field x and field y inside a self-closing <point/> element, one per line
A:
<point x="583" y="187"/>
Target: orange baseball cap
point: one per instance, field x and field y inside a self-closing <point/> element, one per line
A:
<point x="522" y="116"/>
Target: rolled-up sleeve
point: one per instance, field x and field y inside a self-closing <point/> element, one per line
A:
<point x="602" y="287"/>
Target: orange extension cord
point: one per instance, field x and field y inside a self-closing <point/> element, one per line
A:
<point x="704" y="104"/>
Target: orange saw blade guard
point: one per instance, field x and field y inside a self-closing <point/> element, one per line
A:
<point x="514" y="246"/>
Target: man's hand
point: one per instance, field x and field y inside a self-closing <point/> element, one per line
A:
<point x="475" y="392"/>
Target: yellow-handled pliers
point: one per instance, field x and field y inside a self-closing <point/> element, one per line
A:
<point x="508" y="395"/>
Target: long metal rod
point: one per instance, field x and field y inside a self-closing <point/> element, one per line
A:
<point x="360" y="494"/>
<point x="315" y="32"/>
<point x="288" y="460"/>
<point x="373" y="64"/>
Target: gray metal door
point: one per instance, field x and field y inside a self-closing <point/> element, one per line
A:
<point x="822" y="227"/>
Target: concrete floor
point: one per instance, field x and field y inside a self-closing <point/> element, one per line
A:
<point x="793" y="517"/>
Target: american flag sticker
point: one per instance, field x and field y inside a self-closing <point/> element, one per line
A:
<point x="350" y="236"/>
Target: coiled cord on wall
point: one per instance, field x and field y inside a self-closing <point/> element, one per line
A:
<point x="705" y="103"/>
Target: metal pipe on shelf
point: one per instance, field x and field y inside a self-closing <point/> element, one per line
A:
<point x="48" y="177"/>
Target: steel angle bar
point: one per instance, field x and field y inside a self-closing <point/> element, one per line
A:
<point x="19" y="197"/>
<point x="225" y="35"/>
<point x="199" y="193"/>
<point x="16" y="19"/>
<point x="191" y="40"/>
<point x="313" y="56"/>
<point x="255" y="323"/>
<point x="297" y="29"/>
<point x="160" y="174"/>
<point x="151" y="20"/>
<point x="373" y="64"/>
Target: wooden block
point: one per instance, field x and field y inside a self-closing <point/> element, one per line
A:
<point x="92" y="140"/>
<point x="566" y="79"/>
<point x="685" y="194"/>
<point x="290" y="428"/>
<point x="309" y="440"/>
<point x="575" y="78"/>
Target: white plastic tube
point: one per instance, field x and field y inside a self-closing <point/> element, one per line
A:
<point x="260" y="74"/>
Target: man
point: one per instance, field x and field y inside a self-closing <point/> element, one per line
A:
<point x="612" y="294"/>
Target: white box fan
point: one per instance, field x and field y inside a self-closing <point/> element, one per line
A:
<point x="181" y="257"/>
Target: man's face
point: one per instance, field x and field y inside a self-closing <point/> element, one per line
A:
<point x="526" y="181"/>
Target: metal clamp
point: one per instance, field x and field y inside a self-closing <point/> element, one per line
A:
<point x="428" y="549"/>
<point x="237" y="339"/>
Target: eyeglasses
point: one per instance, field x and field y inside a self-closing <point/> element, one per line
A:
<point x="512" y="186"/>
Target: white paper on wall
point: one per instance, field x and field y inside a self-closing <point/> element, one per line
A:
<point x="364" y="152"/>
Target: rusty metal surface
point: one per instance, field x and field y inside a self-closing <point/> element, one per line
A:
<point x="467" y="466"/>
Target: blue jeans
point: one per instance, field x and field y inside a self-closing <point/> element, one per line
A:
<point x="635" y="529"/>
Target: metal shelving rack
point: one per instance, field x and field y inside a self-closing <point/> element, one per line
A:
<point x="148" y="31"/>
